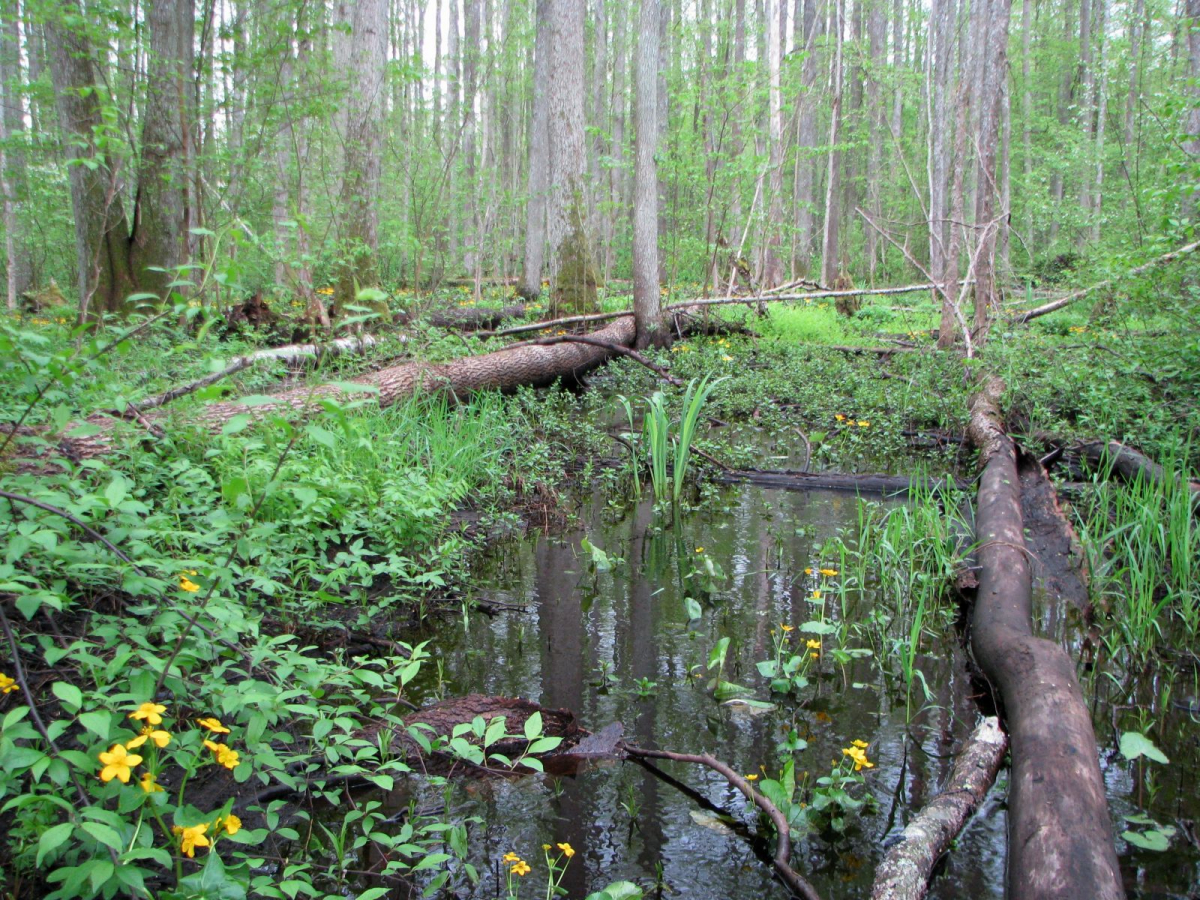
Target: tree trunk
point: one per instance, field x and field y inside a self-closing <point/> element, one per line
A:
<point x="940" y="58"/>
<point x="647" y="309"/>
<point x="16" y="182"/>
<point x="161" y="214"/>
<point x="574" y="272"/>
<point x="539" y="159"/>
<point x="829" y="244"/>
<point x="876" y="124"/>
<point x="1027" y="115"/>
<point x="1101" y="115"/>
<point x="772" y="274"/>
<point x="806" y="140"/>
<point x="472" y="236"/>
<point x="993" y="58"/>
<point x="105" y="279"/>
<point x="1193" y="125"/>
<point x="1087" y="101"/>
<point x="360" y="57"/>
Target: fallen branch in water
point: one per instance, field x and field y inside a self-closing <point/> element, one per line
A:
<point x="783" y="844"/>
<point x="905" y="870"/>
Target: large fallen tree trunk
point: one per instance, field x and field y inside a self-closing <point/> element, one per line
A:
<point x="532" y="364"/>
<point x="1127" y="463"/>
<point x="1059" y="835"/>
<point x="905" y="870"/>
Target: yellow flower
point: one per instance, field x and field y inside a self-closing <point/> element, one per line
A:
<point x="186" y="584"/>
<point x="149" y="785"/>
<point x="808" y="571"/>
<point x="191" y="838"/>
<point x="752" y="777"/>
<point x="860" y="758"/>
<point x="515" y="857"/>
<point x="699" y="549"/>
<point x="861" y="745"/>
<point x="816" y="595"/>
<point x="829" y="573"/>
<point x="226" y="757"/>
<point x="567" y="849"/>
<point x="786" y="627"/>
<point x="863" y="423"/>
<point x="117" y="763"/>
<point x="149" y="732"/>
<point x="520" y="867"/>
<point x="815" y="655"/>
<point x="813" y="645"/>
<point x="840" y="417"/>
<point x="231" y="823"/>
<point x="213" y="725"/>
<point x="7" y="685"/>
<point x="326" y="291"/>
<point x="150" y="713"/>
<point x="511" y="857"/>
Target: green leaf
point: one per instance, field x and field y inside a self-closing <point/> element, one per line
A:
<point x="1134" y="745"/>
<point x="1150" y="840"/>
<point x="105" y="835"/>
<point x="533" y="726"/>
<point x="52" y="839"/>
<point x="70" y="695"/>
<point x="215" y="882"/>
<point x="98" y="723"/>
<point x="694" y="610"/>
<point x="236" y="424"/>
<point x="618" y="890"/>
<point x="432" y="861"/>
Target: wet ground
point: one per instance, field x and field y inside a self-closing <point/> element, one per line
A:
<point x="614" y="636"/>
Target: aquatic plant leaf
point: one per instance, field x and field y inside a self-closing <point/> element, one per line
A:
<point x="727" y="690"/>
<point x="1149" y="840"/>
<point x="1134" y="745"/>
<point x="709" y="821"/>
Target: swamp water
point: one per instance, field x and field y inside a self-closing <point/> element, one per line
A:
<point x="621" y="642"/>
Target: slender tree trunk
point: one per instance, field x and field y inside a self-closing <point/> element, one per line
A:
<point x="1137" y="34"/>
<point x="663" y="118"/>
<point x="1101" y="115"/>
<point x="993" y="58"/>
<point x="829" y="244"/>
<point x="876" y="123"/>
<point x="1027" y="114"/>
<point x="1065" y="98"/>
<point x="806" y="139"/>
<point x="539" y="159"/>
<point x="647" y="309"/>
<point x="772" y="263"/>
<point x="16" y="185"/>
<point x="472" y="31"/>
<point x="938" y="65"/>
<point x="617" y="104"/>
<point x="1087" y="103"/>
<point x="1193" y="125"/>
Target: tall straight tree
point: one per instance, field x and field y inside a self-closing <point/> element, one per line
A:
<point x="360" y="55"/>
<point x="539" y="159"/>
<point x="806" y="136"/>
<point x="772" y="272"/>
<point x="15" y="179"/>
<point x="829" y="244"/>
<point x="647" y="307"/>
<point x="574" y="271"/>
<point x="1192" y="146"/>
<point x="992" y="55"/>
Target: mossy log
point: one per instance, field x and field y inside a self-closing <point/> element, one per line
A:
<point x="1060" y="842"/>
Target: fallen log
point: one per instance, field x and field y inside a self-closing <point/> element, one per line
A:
<point x="1128" y="464"/>
<point x="906" y="868"/>
<point x="535" y="365"/>
<point x="1060" y="840"/>
<point x="1054" y="305"/>
<point x="789" y="480"/>
<point x="474" y="317"/>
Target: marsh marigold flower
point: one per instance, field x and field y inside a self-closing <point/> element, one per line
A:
<point x="860" y="758"/>
<point x="567" y="850"/>
<point x="231" y="823"/>
<point x="813" y="645"/>
<point x="149" y="785"/>
<point x="213" y="725"/>
<point x="150" y="713"/>
<point x="117" y="764"/>
<point x="191" y="838"/>
<point x="829" y="573"/>
<point x="7" y="685"/>
<point x="787" y="627"/>
<point x="521" y="868"/>
<point x="149" y="732"/>
<point x="511" y="857"/>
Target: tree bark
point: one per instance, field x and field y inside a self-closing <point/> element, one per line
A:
<point x="829" y="244"/>
<point x="1059" y="835"/>
<point x="1101" y="115"/>
<point x="806" y="140"/>
<point x="539" y="159"/>
<point x="647" y="307"/>
<point x="772" y="274"/>
<point x="16" y="182"/>
<point x="360" y="57"/>
<point x="1192" y="146"/>
<point x="159" y="239"/>
<point x="939" y="58"/>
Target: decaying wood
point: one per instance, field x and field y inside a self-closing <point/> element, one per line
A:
<point x="888" y="485"/>
<point x="1054" y="552"/>
<point x="782" y="859"/>
<point x="905" y="870"/>
<point x="291" y="352"/>
<point x="474" y="317"/>
<point x="535" y="365"/>
<point x="1128" y="464"/>
<point x="1060" y="840"/>
<point x="1058" y="304"/>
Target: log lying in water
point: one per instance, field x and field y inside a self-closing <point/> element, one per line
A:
<point x="905" y="870"/>
<point x="531" y="364"/>
<point x="888" y="485"/>
<point x="1060" y="840"/>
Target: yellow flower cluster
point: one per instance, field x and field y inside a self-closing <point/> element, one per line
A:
<point x="325" y="291"/>
<point x="1077" y="329"/>
<point x="851" y="422"/>
<point x="186" y="583"/>
<point x="516" y="865"/>
<point x="195" y="836"/>
<point x="857" y="751"/>
<point x="7" y="685"/>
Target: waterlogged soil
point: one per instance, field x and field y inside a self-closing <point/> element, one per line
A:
<point x="619" y="641"/>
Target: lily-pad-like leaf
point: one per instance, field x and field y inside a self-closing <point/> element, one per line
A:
<point x="1158" y="840"/>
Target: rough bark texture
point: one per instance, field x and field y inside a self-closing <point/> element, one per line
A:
<point x="1059" y="834"/>
<point x="905" y="870"/>
<point x="539" y="160"/>
<point x="20" y="266"/>
<point x="647" y="305"/>
<point x="502" y="370"/>
<point x="1193" y="143"/>
<point x="806" y="139"/>
<point x="160" y="234"/>
<point x="1127" y="463"/>
<point x="829" y="243"/>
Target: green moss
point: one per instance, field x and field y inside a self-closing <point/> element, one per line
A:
<point x="575" y="285"/>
